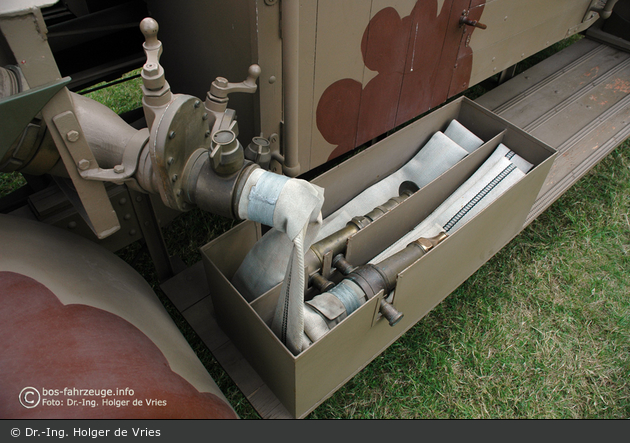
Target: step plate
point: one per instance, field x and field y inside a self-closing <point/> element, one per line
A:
<point x="578" y="102"/>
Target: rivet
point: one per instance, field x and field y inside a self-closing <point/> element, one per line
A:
<point x="174" y="178"/>
<point x="139" y="198"/>
<point x="127" y="217"/>
<point x="84" y="164"/>
<point x="179" y="192"/>
<point x="122" y="201"/>
<point x="132" y="232"/>
<point x="205" y="116"/>
<point x="208" y="133"/>
<point x="72" y="225"/>
<point x="197" y="103"/>
<point x="146" y="223"/>
<point x="272" y="79"/>
<point x="170" y="161"/>
<point x="171" y="135"/>
<point x="72" y="136"/>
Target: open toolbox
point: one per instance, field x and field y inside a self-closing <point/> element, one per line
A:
<point x="302" y="382"/>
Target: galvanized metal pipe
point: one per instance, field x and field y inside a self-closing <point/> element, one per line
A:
<point x="291" y="65"/>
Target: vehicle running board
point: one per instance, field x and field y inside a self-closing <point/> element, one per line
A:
<point x="578" y="102"/>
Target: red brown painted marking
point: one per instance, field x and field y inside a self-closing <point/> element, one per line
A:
<point x="421" y="60"/>
<point x="45" y="344"/>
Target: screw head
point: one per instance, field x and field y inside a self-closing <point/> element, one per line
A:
<point x="170" y="161"/>
<point x="174" y="178"/>
<point x="119" y="169"/>
<point x="84" y="164"/>
<point x="171" y="135"/>
<point x="72" y="136"/>
<point x="197" y="103"/>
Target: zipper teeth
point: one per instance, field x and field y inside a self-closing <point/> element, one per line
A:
<point x="477" y="198"/>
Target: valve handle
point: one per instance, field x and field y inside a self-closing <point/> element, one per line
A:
<point x="474" y="23"/>
<point x="152" y="72"/>
<point x="220" y="88"/>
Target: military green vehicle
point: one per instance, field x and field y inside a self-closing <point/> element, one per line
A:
<point x="355" y="183"/>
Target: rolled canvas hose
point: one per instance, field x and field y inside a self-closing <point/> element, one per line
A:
<point x="499" y="172"/>
<point x="265" y="265"/>
<point x="293" y="208"/>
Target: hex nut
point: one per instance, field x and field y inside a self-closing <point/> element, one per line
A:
<point x="84" y="164"/>
<point x="72" y="136"/>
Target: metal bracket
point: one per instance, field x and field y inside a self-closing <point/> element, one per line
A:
<point x="121" y="173"/>
<point x="75" y="153"/>
<point x="377" y="307"/>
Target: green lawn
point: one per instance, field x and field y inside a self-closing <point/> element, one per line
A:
<point x="540" y="331"/>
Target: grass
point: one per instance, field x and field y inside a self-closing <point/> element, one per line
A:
<point x="540" y="331"/>
<point x="10" y="181"/>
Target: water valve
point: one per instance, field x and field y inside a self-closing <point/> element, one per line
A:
<point x="226" y="153"/>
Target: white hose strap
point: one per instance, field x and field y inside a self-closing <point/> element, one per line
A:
<point x="263" y="197"/>
<point x="288" y="321"/>
<point x="293" y="208"/>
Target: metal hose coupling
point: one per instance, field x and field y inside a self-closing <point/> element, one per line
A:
<point x="327" y="310"/>
<point x="336" y="242"/>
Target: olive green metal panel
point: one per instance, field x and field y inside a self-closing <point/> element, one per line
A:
<point x="340" y="28"/>
<point x="17" y="111"/>
<point x="26" y="35"/>
<point x="518" y="29"/>
<point x="308" y="23"/>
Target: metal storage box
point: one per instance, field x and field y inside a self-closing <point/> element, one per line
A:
<point x="303" y="382"/>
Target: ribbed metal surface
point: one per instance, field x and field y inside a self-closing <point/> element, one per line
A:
<point x="578" y="102"/>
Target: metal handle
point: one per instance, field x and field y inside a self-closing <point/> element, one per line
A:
<point x="152" y="71"/>
<point x="220" y="88"/>
<point x="466" y="21"/>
